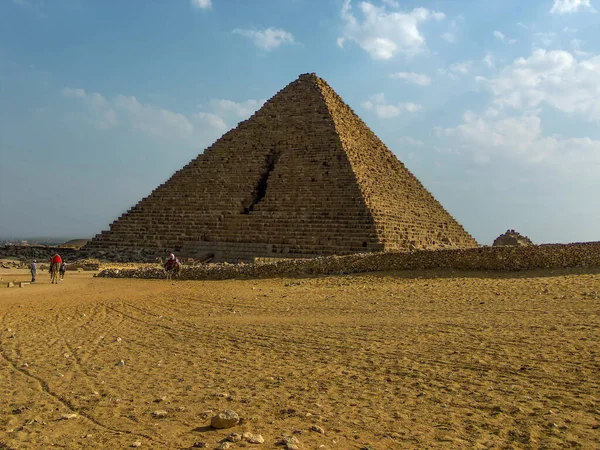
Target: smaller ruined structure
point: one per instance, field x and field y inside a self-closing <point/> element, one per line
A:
<point x="512" y="237"/>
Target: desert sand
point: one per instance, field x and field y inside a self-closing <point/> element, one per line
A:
<point x="387" y="360"/>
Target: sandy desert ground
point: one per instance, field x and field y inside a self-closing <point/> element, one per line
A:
<point x="383" y="361"/>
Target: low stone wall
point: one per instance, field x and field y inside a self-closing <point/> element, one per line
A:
<point x="41" y="253"/>
<point x="549" y="256"/>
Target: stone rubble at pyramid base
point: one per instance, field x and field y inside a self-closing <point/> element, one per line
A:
<point x="548" y="256"/>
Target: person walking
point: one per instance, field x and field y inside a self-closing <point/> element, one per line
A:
<point x="171" y="262"/>
<point x="33" y="269"/>
<point x="62" y="270"/>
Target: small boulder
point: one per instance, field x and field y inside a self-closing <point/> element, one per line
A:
<point x="317" y="429"/>
<point x="289" y="442"/>
<point x="225" y="419"/>
<point x="254" y="438"/>
<point x="160" y="414"/>
<point x="234" y="437"/>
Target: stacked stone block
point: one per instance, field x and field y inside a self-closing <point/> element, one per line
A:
<point x="304" y="176"/>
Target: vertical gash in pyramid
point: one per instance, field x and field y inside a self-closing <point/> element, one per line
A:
<point x="304" y="176"/>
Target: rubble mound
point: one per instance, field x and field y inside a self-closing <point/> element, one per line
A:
<point x="512" y="237"/>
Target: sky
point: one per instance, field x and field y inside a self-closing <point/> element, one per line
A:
<point x="494" y="105"/>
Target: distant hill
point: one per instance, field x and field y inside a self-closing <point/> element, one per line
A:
<point x="75" y="243"/>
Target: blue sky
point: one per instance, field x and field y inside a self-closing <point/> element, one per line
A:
<point x="494" y="105"/>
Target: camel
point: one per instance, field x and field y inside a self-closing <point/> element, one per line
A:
<point x="54" y="273"/>
<point x="174" y="268"/>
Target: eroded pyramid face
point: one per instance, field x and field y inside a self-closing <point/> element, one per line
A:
<point x="303" y="176"/>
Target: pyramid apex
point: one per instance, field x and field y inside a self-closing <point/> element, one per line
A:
<point x="308" y="76"/>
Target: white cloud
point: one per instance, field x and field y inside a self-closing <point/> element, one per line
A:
<point x="243" y="109"/>
<point x="449" y="37"/>
<point x="570" y="6"/>
<point x="201" y="4"/>
<point x="502" y="37"/>
<point x="98" y="112"/>
<point x="549" y="78"/>
<point x="411" y="141"/>
<point x="384" y="110"/>
<point x="384" y="33"/>
<point x="267" y="39"/>
<point x="411" y="77"/>
<point x="488" y="60"/>
<point x="543" y="39"/>
<point x="159" y="122"/>
<point x="521" y="138"/>
<point x="456" y="70"/>
<point x="214" y="121"/>
<point x="152" y="120"/>
<point x="576" y="44"/>
<point x="461" y="67"/>
<point x="411" y="107"/>
<point x="73" y="92"/>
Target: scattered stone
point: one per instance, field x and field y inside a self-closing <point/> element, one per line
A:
<point x="234" y="437"/>
<point x="10" y="284"/>
<point x="20" y="409"/>
<point x="136" y="444"/>
<point x="69" y="416"/>
<point x="257" y="439"/>
<point x="225" y="445"/>
<point x="317" y="429"/>
<point x="289" y="442"/>
<point x="253" y="438"/>
<point x="160" y="414"/>
<point x="120" y="363"/>
<point x="225" y="419"/>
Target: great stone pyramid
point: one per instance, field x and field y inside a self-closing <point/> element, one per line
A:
<point x="304" y="176"/>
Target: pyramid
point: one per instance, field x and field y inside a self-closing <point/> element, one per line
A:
<point x="302" y="177"/>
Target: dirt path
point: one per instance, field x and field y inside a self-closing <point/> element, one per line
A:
<point x="413" y="360"/>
